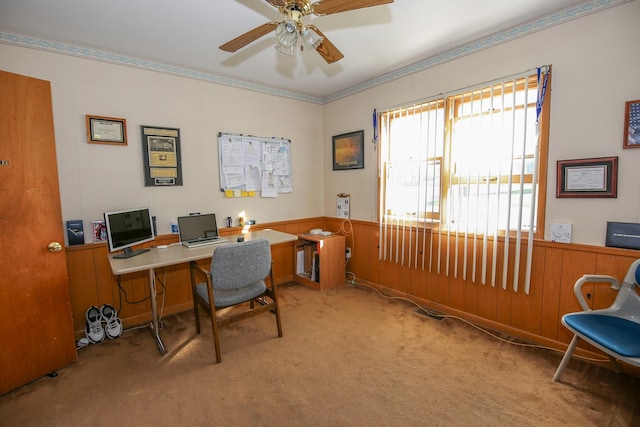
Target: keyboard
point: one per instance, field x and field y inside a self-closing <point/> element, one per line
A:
<point x="203" y="242"/>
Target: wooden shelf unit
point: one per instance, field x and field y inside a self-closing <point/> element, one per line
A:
<point x="330" y="257"/>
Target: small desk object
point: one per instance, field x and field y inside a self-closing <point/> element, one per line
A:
<point x="177" y="254"/>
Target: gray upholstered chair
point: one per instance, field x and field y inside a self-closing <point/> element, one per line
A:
<point x="237" y="276"/>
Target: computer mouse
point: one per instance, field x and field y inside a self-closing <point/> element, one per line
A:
<point x="240" y="239"/>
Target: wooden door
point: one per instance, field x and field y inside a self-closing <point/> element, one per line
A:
<point x="36" y="329"/>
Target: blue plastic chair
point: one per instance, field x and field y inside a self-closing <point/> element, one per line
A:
<point x="614" y="330"/>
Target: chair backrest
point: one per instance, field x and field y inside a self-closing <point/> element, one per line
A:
<point x="236" y="265"/>
<point x="628" y="298"/>
<point x="633" y="274"/>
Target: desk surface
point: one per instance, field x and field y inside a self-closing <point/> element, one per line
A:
<point x="177" y="253"/>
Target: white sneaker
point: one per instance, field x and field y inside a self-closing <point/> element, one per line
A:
<point x="113" y="322"/>
<point x="114" y="328"/>
<point x="93" y="329"/>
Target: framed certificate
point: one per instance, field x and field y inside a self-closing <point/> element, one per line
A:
<point x="106" y="130"/>
<point x="588" y="178"/>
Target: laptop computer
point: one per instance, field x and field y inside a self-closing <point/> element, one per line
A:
<point x="199" y="230"/>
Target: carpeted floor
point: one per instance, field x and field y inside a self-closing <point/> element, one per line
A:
<point x="347" y="357"/>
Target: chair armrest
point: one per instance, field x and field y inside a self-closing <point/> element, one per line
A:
<point x="594" y="278"/>
<point x="198" y="268"/>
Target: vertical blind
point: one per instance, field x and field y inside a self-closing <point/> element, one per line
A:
<point x="463" y="165"/>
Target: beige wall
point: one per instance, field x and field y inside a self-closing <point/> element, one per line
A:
<point x="96" y="178"/>
<point x="595" y="70"/>
<point x="596" y="63"/>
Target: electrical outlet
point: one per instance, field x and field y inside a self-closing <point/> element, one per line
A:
<point x="348" y="253"/>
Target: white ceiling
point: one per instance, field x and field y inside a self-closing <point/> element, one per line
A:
<point x="375" y="41"/>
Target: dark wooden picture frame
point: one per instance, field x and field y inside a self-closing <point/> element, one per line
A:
<point x="348" y="151"/>
<point x="106" y="130"/>
<point x="631" y="124"/>
<point x="161" y="155"/>
<point x="596" y="177"/>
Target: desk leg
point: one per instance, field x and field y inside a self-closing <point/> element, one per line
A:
<point x="155" y="327"/>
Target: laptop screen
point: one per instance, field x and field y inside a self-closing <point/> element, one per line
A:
<point x="193" y="227"/>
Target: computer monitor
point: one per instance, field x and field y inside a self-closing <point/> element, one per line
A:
<point x="128" y="228"/>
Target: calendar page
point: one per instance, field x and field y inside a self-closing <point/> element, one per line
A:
<point x="343" y="206"/>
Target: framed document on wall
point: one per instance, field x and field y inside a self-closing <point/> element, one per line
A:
<point x="161" y="153"/>
<point x="106" y="130"/>
<point x="596" y="177"/>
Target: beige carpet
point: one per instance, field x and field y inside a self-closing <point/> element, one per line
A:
<point x="347" y="357"/>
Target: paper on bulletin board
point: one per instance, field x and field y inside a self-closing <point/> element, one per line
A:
<point x="250" y="164"/>
<point x="343" y="206"/>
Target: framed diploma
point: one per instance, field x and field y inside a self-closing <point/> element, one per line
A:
<point x="161" y="153"/>
<point x="106" y="130"/>
<point x="596" y="177"/>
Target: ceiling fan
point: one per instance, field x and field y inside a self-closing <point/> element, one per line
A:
<point x="291" y="27"/>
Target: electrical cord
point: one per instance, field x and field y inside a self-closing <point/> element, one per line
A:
<point x="164" y="289"/>
<point x="449" y="316"/>
<point x="126" y="298"/>
<point x="347" y="233"/>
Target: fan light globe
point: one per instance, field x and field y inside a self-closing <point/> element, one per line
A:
<point x="287" y="50"/>
<point x="310" y="38"/>
<point x="286" y="33"/>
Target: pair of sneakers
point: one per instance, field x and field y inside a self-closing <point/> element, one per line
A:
<point x="95" y="331"/>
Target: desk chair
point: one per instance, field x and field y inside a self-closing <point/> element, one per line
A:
<point x="237" y="275"/>
<point x="614" y="330"/>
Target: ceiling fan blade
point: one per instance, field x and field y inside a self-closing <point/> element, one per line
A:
<point x="326" y="49"/>
<point x="327" y="7"/>
<point x="248" y="37"/>
<point x="276" y="3"/>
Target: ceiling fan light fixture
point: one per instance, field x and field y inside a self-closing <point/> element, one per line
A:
<point x="286" y="33"/>
<point x="287" y="50"/>
<point x="310" y="38"/>
<point x="292" y="27"/>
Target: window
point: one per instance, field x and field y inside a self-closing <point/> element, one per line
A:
<point x="469" y="163"/>
<point x="412" y="165"/>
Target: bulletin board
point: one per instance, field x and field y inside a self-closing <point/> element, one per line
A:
<point x="251" y="164"/>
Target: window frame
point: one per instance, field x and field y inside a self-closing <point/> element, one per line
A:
<point x="449" y="102"/>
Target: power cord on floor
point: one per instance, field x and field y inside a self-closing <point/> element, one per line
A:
<point x="431" y="313"/>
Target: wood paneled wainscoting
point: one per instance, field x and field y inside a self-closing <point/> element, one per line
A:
<point x="534" y="317"/>
<point x="91" y="281"/>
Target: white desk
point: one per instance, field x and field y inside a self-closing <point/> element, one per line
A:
<point x="178" y="254"/>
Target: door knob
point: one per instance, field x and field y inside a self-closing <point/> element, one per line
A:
<point x="54" y="247"/>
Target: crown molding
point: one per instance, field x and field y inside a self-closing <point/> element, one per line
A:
<point x="577" y="11"/>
